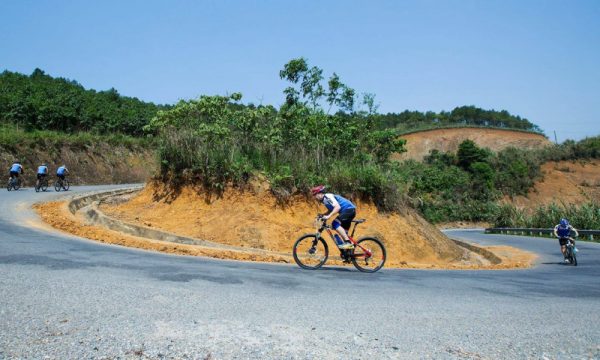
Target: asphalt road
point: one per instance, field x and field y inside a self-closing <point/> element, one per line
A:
<point x="64" y="297"/>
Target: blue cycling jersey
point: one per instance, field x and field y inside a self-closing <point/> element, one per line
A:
<point x="563" y="231"/>
<point x="345" y="204"/>
<point x="42" y="170"/>
<point x="61" y="170"/>
<point x="15" y="168"/>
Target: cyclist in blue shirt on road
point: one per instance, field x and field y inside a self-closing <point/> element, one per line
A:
<point x="62" y="171"/>
<point x="340" y="206"/>
<point x="42" y="172"/>
<point x="15" y="170"/>
<point x="563" y="232"/>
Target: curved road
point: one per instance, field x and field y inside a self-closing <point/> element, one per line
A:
<point x="64" y="297"/>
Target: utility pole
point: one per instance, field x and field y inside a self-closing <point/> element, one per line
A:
<point x="555" y="141"/>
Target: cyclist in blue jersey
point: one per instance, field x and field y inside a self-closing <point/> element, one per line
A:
<point x="340" y="206"/>
<point x="62" y="171"/>
<point x="563" y="232"/>
<point x="15" y="170"/>
<point x="42" y="172"/>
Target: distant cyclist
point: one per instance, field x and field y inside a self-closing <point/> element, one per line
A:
<point x="42" y="172"/>
<point x="15" y="170"/>
<point x="340" y="206"/>
<point x="563" y="232"/>
<point x="61" y="172"/>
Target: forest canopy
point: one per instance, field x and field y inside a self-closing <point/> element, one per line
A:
<point x="41" y="102"/>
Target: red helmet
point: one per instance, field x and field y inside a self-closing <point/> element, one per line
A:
<point x="317" y="189"/>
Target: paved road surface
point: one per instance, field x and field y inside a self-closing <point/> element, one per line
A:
<point x="68" y="298"/>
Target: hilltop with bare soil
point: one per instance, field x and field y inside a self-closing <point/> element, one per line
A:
<point x="419" y="144"/>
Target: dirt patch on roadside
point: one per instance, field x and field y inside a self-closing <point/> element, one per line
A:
<point x="58" y="215"/>
<point x="512" y="258"/>
<point x="254" y="219"/>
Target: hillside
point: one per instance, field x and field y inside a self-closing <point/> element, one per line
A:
<point x="419" y="144"/>
<point x="100" y="163"/>
<point x="254" y="219"/>
<point x="564" y="182"/>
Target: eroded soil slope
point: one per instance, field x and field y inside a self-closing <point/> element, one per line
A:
<point x="90" y="165"/>
<point x="254" y="219"/>
<point x="419" y="144"/>
<point x="565" y="182"/>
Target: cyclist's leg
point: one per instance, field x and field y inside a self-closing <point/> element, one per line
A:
<point x="563" y="245"/>
<point x="343" y="222"/>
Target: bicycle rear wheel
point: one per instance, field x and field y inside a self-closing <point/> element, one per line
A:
<point x="9" y="185"/>
<point x="66" y="185"/>
<point x="310" y="252"/>
<point x="44" y="185"/>
<point x="369" y="255"/>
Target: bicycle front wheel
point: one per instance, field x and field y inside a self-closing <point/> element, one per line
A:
<point x="310" y="252"/>
<point x="57" y="186"/>
<point x="66" y="185"/>
<point x="369" y="255"/>
<point x="572" y="256"/>
<point x="44" y="185"/>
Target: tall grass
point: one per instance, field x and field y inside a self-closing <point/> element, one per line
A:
<point x="585" y="216"/>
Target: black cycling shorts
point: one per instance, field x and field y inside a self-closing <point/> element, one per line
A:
<point x="62" y="177"/>
<point x="14" y="174"/>
<point x="563" y="241"/>
<point x="345" y="218"/>
<point x="41" y="176"/>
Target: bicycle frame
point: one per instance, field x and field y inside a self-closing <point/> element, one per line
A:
<point x="324" y="226"/>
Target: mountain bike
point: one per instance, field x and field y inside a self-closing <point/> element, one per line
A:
<point x="570" y="252"/>
<point x="311" y="251"/>
<point x="62" y="184"/>
<point x="42" y="184"/>
<point x="14" y="183"/>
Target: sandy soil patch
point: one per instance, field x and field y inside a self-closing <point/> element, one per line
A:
<point x="57" y="214"/>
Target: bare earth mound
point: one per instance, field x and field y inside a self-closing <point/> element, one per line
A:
<point x="253" y="219"/>
<point x="419" y="144"/>
<point x="564" y="182"/>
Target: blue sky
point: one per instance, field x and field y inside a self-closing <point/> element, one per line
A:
<point x="537" y="59"/>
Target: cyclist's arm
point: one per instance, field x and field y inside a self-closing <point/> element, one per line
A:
<point x="555" y="233"/>
<point x="576" y="232"/>
<point x="336" y="206"/>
